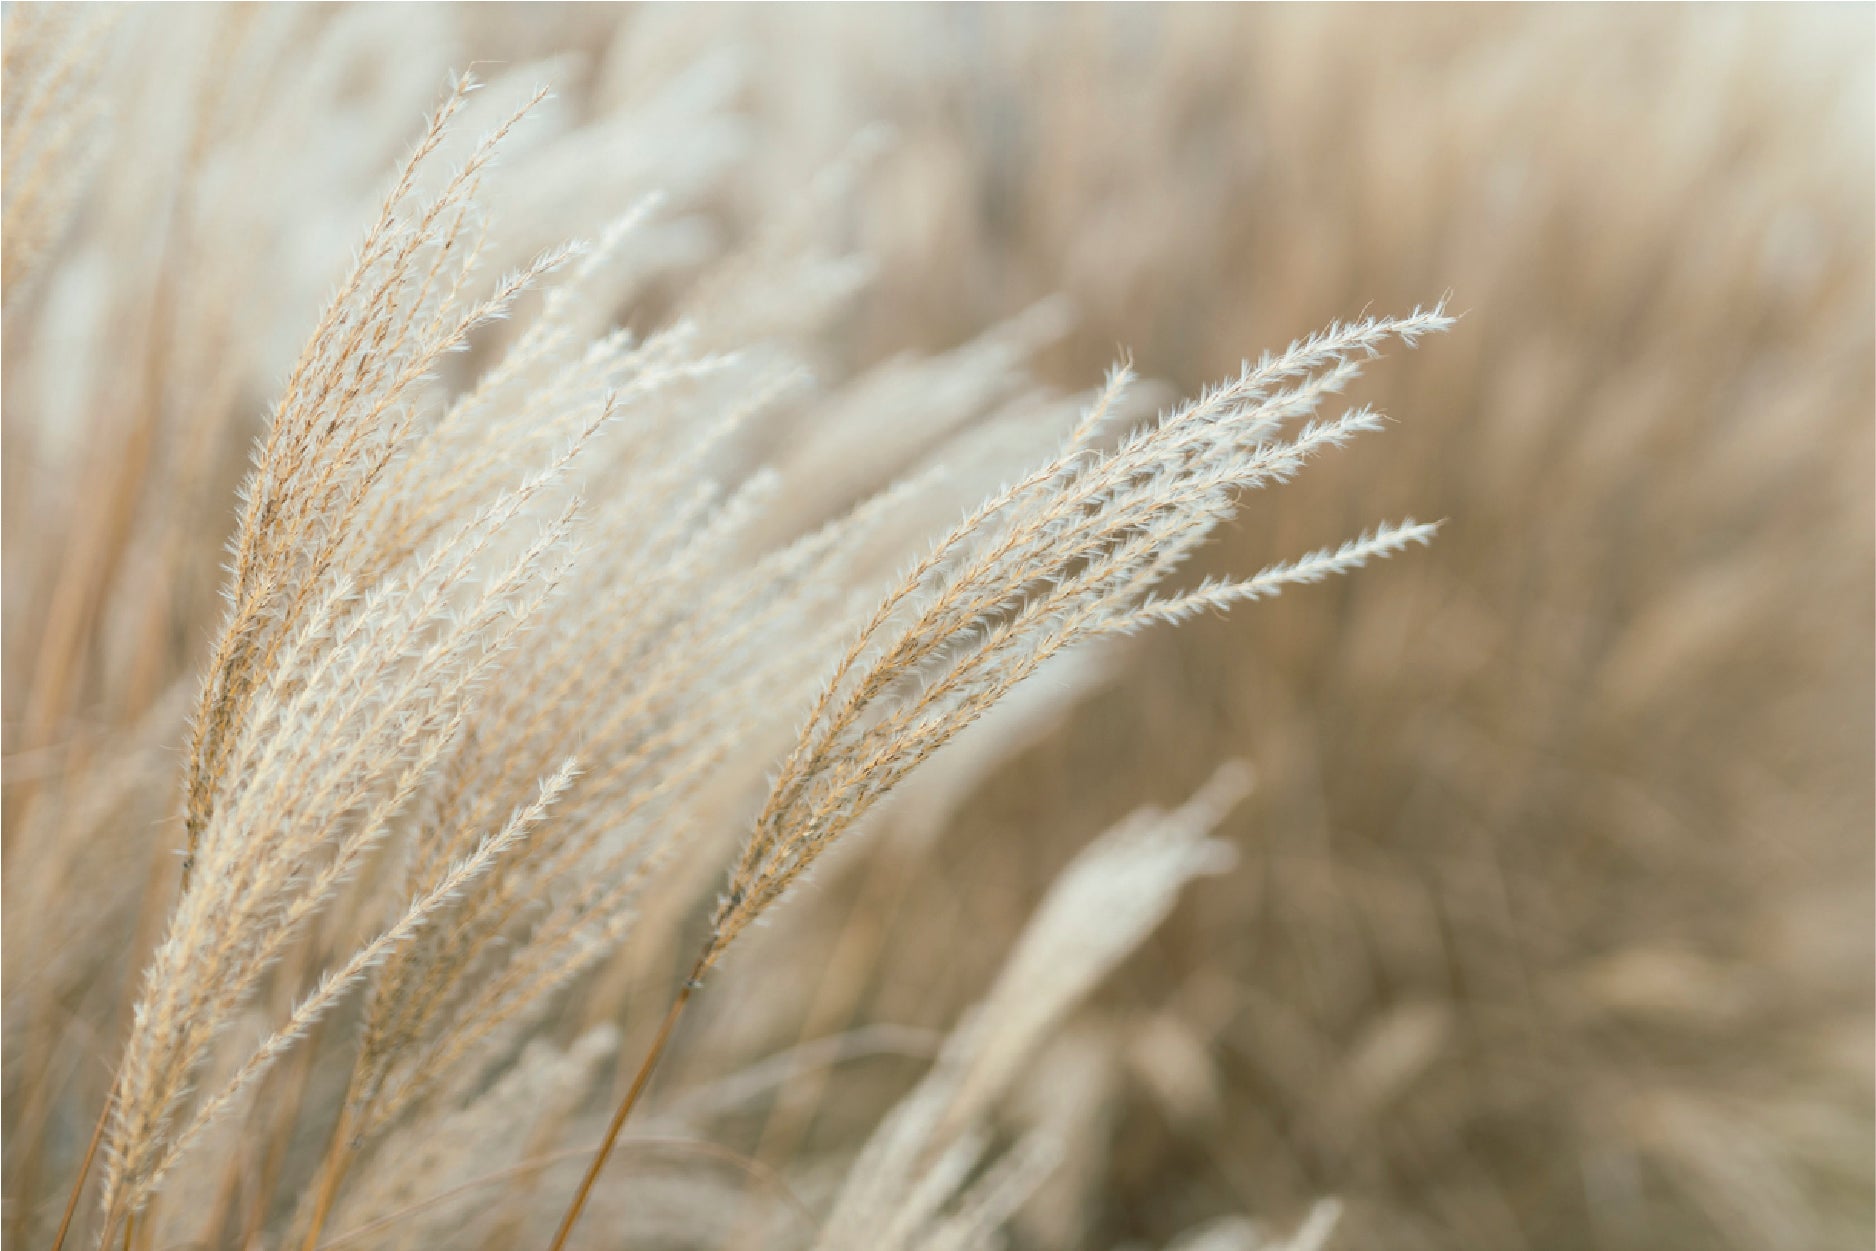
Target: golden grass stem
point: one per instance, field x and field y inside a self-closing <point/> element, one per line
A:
<point x="84" y="1167"/>
<point x="639" y="1081"/>
<point x="331" y="1173"/>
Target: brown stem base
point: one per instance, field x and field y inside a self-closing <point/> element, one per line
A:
<point x="84" y="1167"/>
<point x="639" y="1081"/>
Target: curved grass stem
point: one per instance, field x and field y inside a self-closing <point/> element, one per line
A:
<point x="624" y="1110"/>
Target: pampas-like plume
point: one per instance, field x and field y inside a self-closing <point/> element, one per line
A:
<point x="1070" y="553"/>
<point x="326" y="705"/>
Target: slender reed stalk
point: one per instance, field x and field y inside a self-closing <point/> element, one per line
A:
<point x="84" y="1168"/>
<point x="639" y="1081"/>
<point x="332" y="1172"/>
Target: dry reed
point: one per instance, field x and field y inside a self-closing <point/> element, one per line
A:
<point x="355" y="899"/>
